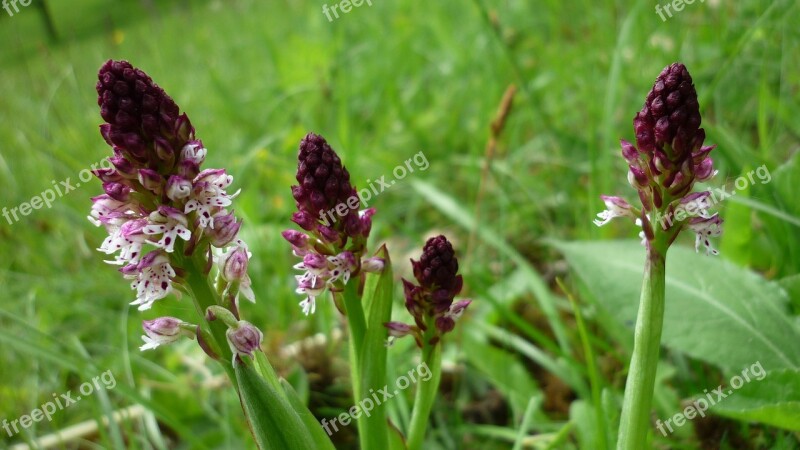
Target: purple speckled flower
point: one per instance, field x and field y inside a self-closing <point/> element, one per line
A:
<point x="159" y="207"/>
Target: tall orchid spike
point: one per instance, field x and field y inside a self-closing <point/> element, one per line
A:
<point x="667" y="160"/>
<point x="159" y="208"/>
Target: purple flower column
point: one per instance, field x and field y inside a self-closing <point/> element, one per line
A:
<point x="335" y="230"/>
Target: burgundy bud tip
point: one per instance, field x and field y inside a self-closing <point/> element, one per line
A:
<point x="445" y="324"/>
<point x="431" y="303"/>
<point x="142" y="121"/>
<point x="304" y="219"/>
<point x="324" y="192"/>
<point x="296" y="238"/>
<point x="438" y="266"/>
<point x="629" y="152"/>
<point x="670" y="118"/>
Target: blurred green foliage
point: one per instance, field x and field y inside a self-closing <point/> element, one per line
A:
<point x="382" y="83"/>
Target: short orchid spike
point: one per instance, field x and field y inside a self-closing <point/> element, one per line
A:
<point x="431" y="303"/>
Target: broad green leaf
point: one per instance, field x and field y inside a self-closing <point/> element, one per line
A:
<point x="716" y="311"/>
<point x="273" y="421"/>
<point x="773" y="400"/>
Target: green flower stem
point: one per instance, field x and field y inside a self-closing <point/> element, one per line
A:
<point x="426" y="391"/>
<point x="205" y="295"/>
<point x="635" y="420"/>
<point x="358" y="330"/>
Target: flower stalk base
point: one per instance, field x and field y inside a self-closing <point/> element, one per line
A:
<point x="635" y="420"/>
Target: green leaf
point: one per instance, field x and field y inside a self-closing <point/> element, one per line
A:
<point x="774" y="400"/>
<point x="377" y="301"/>
<point x="737" y="239"/>
<point x="505" y="371"/>
<point x="454" y="209"/>
<point x="715" y="311"/>
<point x="792" y="286"/>
<point x="527" y="423"/>
<point x="321" y="439"/>
<point x="273" y="421"/>
<point x="396" y="439"/>
<point x="559" y="367"/>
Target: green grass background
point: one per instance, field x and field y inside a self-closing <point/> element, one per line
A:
<point x="382" y="83"/>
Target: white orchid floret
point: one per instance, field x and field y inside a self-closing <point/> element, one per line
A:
<point x="209" y="195"/>
<point x="127" y="239"/>
<point x="153" y="278"/>
<point x="616" y="207"/>
<point x="170" y="223"/>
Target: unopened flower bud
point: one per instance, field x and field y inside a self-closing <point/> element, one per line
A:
<point x="244" y="339"/>
<point x="236" y="265"/>
<point x="225" y="230"/>
<point x="117" y="191"/>
<point x="151" y="180"/>
<point x="178" y="188"/>
<point x="194" y="152"/>
<point x="295" y="238"/>
<point x="373" y="265"/>
<point x="162" y="331"/>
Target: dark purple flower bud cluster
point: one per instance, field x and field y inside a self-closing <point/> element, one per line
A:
<point x="159" y="207"/>
<point x="143" y="123"/>
<point x="667" y="160"/>
<point x="328" y="205"/>
<point x="336" y="231"/>
<point x="431" y="303"/>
